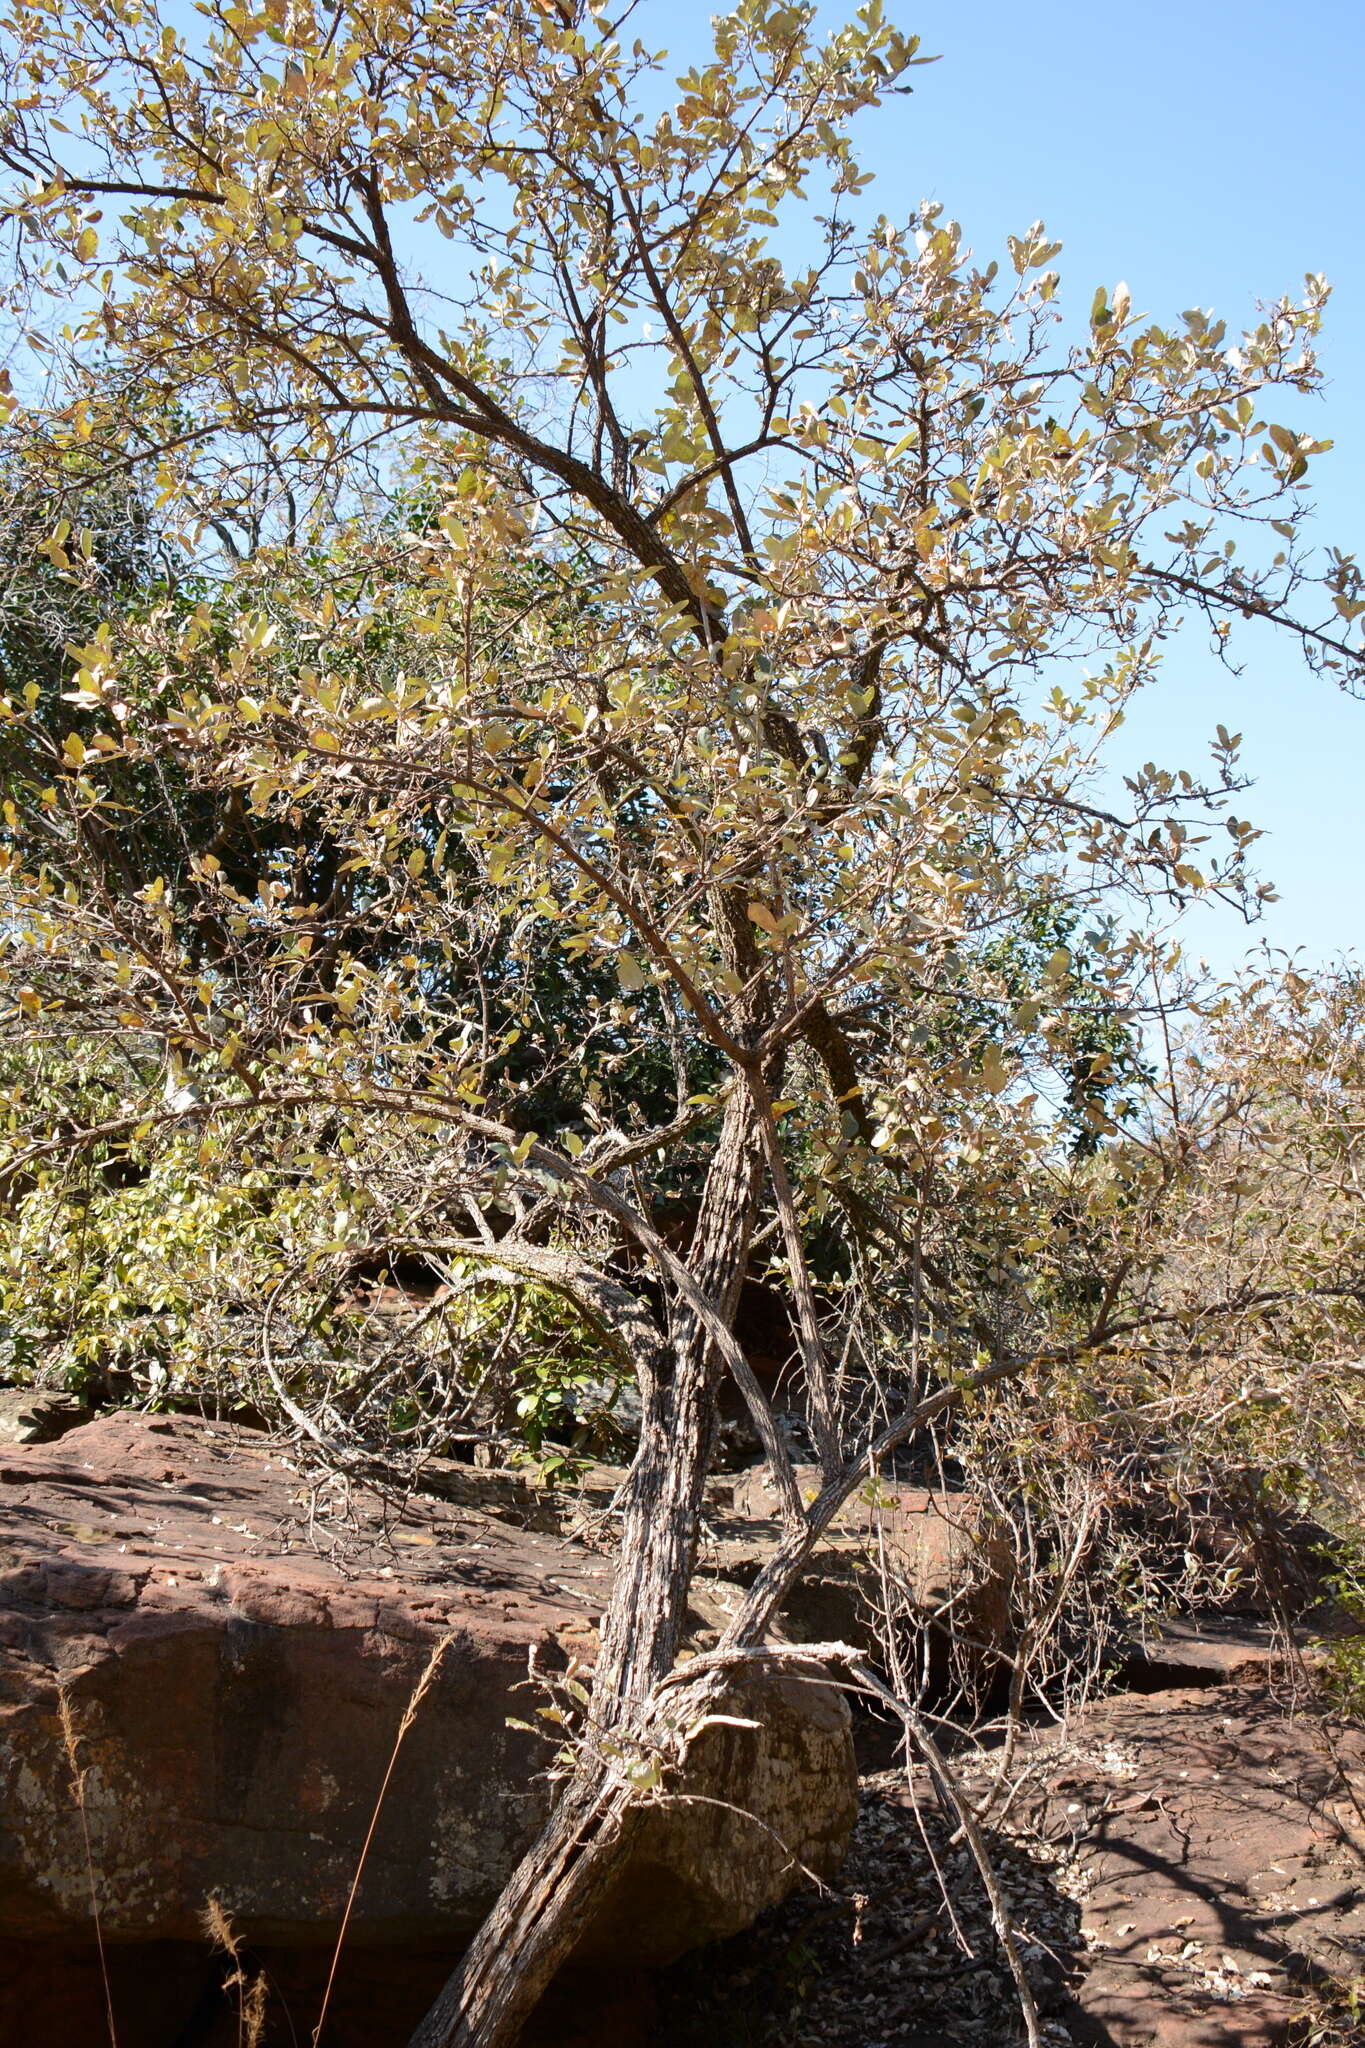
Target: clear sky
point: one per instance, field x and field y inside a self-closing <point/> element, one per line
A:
<point x="1208" y="155"/>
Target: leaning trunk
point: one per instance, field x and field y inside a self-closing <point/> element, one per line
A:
<point x="550" y="1897"/>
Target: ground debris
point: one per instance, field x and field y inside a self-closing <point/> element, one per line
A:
<point x="1185" y="1869"/>
<point x="899" y="1953"/>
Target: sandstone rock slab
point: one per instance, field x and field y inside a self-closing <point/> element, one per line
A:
<point x="235" y="1644"/>
<point x="1178" y="1652"/>
<point x="1220" y="1863"/>
<point x="944" y="1560"/>
<point x="36" y="1415"/>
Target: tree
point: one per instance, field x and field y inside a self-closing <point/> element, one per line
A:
<point x="875" y="556"/>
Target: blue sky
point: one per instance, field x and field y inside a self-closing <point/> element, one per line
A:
<point x="1208" y="155"/>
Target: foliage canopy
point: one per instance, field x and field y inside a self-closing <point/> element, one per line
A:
<point x="638" y="646"/>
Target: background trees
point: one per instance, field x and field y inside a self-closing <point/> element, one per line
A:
<point x="632" y="730"/>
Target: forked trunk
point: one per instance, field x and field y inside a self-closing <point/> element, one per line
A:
<point x="550" y="1897"/>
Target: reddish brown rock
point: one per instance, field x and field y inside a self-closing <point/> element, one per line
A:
<point x="35" y="1415"/>
<point x="236" y="1645"/>
<point x="1177" y="1652"/>
<point x="1220" y="1862"/>
<point x="943" y="1557"/>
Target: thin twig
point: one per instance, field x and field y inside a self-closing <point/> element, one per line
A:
<point x="79" y="1772"/>
<point x="946" y="1784"/>
<point x="409" y="1716"/>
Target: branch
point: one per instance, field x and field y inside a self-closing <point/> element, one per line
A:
<point x="774" y="1582"/>
<point x="814" y="1363"/>
<point x="618" y="1317"/>
<point x="609" y="1203"/>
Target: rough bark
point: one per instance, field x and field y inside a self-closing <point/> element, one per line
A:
<point x="551" y="1895"/>
<point x="643" y="1626"/>
<point x="540" y="1911"/>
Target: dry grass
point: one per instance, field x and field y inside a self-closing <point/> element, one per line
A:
<point x="79" y="1773"/>
<point x="251" y="1991"/>
<point x="419" y="1693"/>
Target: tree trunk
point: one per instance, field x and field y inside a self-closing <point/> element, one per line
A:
<point x="550" y="1897"/>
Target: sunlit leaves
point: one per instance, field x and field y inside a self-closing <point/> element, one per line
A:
<point x="653" y="609"/>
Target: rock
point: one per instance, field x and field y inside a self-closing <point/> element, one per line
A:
<point x="35" y="1415"/>
<point x="1182" y="1871"/>
<point x="1178" y="1652"/>
<point x="236" y="1646"/>
<point x="1218" y="1858"/>
<point x="669" y="1894"/>
<point x="171" y="1995"/>
<point x="511" y="1495"/>
<point x="944" y="1557"/>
